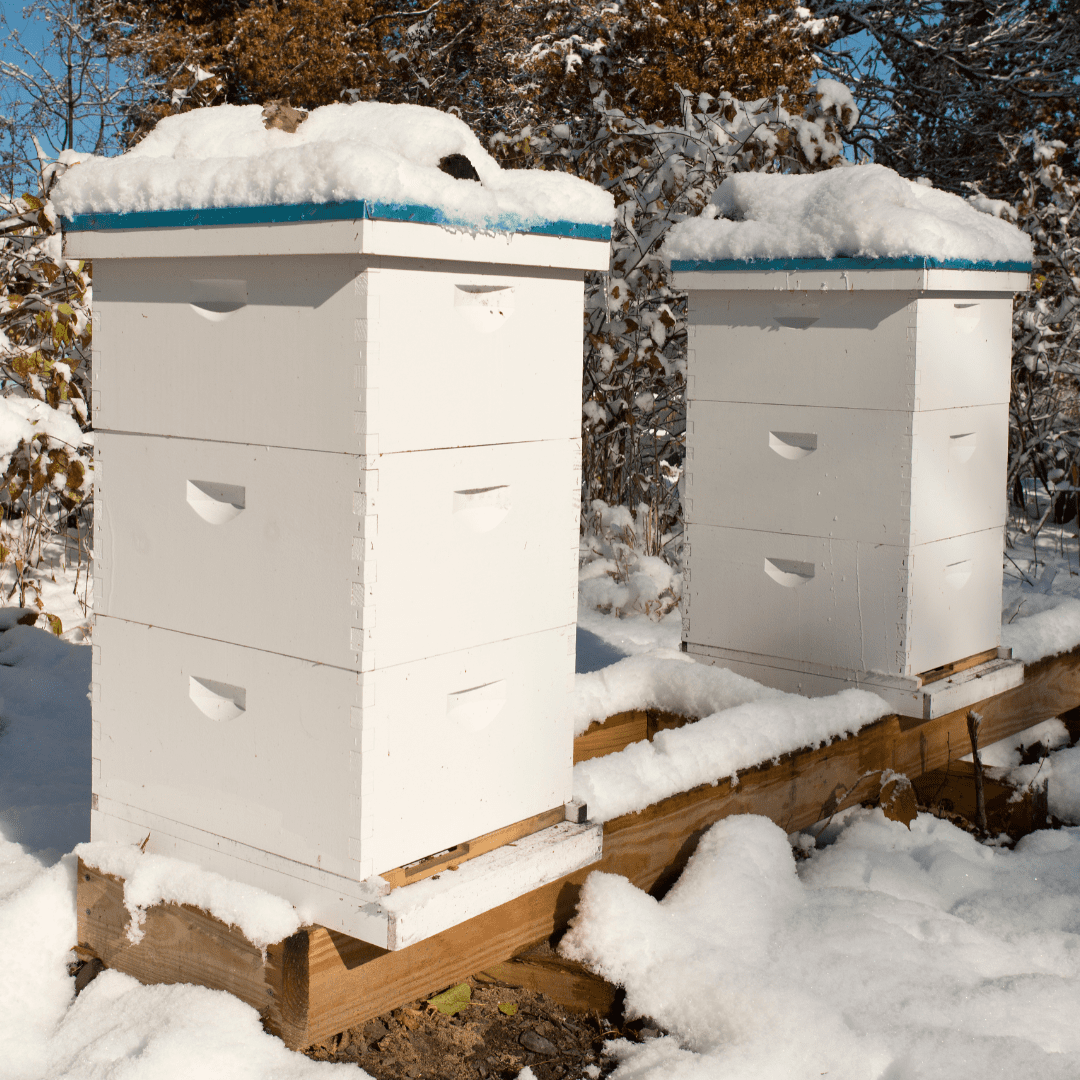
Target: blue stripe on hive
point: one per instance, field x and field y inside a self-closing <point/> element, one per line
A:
<point x="333" y="211"/>
<point x="904" y="262"/>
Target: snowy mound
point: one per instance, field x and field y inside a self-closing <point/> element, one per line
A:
<point x="864" y="211"/>
<point x="226" y="156"/>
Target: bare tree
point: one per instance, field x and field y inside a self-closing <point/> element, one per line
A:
<point x="65" y="95"/>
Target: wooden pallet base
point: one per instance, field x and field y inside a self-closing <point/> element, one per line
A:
<point x="318" y="983"/>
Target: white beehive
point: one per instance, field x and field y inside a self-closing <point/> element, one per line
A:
<point x="847" y="435"/>
<point x="336" y="523"/>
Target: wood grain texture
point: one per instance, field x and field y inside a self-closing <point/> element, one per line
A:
<point x="566" y="982"/>
<point x="611" y="735"/>
<point x="943" y="672"/>
<point x="180" y="944"/>
<point x="424" y="868"/>
<point x="324" y="982"/>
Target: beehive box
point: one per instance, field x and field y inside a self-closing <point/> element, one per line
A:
<point x="847" y="435"/>
<point x="336" y="518"/>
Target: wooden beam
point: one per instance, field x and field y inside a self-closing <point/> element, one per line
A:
<point x="1009" y="809"/>
<point x="943" y="672"/>
<point x="180" y="944"/>
<point x="618" y="732"/>
<point x="611" y="735"/>
<point x="455" y="856"/>
<point x="324" y="982"/>
<point x="566" y="982"/>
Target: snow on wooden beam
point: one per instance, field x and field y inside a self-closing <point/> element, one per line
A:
<point x="318" y="983"/>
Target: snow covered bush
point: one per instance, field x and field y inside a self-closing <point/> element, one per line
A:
<point x="1044" y="436"/>
<point x="45" y="329"/>
<point x="622" y="568"/>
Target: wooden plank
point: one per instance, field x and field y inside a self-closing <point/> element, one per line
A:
<point x="570" y="984"/>
<point x="943" y="672"/>
<point x="179" y="944"/>
<point x="660" y="720"/>
<point x="1008" y="810"/>
<point x="455" y="856"/>
<point x="611" y="735"/>
<point x="619" y="731"/>
<point x="328" y="982"/>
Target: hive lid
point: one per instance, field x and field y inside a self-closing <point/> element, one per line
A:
<point x="855" y="217"/>
<point x="232" y="165"/>
<point x="905" y="273"/>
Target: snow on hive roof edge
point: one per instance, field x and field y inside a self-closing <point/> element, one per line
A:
<point x="384" y="158"/>
<point x="858" y="212"/>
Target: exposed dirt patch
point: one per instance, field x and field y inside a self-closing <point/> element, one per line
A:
<point x="483" y="1041"/>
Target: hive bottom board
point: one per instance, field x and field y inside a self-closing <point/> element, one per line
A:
<point x="389" y="919"/>
<point x="323" y="773"/>
<point x="973" y="683"/>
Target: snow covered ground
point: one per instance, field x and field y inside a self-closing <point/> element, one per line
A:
<point x="1041" y="594"/>
<point x="882" y="954"/>
<point x="887" y="954"/>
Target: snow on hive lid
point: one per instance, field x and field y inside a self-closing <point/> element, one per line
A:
<point x="865" y="212"/>
<point x="222" y="165"/>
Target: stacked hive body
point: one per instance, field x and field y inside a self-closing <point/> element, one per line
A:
<point x="337" y="485"/>
<point x="847" y="432"/>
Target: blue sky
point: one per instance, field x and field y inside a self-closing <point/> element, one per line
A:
<point x="31" y="31"/>
<point x="34" y="33"/>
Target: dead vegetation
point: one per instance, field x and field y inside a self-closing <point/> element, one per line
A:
<point x="497" y="1033"/>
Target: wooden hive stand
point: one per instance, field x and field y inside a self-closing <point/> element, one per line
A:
<point x="318" y="983"/>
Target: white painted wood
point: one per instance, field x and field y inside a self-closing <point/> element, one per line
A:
<point x="987" y="282"/>
<point x="856" y="474"/>
<point x="338" y="902"/>
<point x="936" y="699"/>
<point x="356" y="237"/>
<point x="975" y="684"/>
<point x="349" y="773"/>
<point x="276" y="775"/>
<point x="955" y="599"/>
<point x="493" y="554"/>
<point x="827" y="351"/>
<point x="844" y="603"/>
<point x="860" y="350"/>
<point x="471" y="355"/>
<point x="426" y="709"/>
<point x="810" y="607"/>
<point x="428" y="907"/>
<point x="359" y="444"/>
<point x="417" y="241"/>
<point x="847" y="437"/>
<point x="336" y="353"/>
<point x="462" y="546"/>
<point x="473" y="740"/>
<point x="963" y="350"/>
<point x="848" y="675"/>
